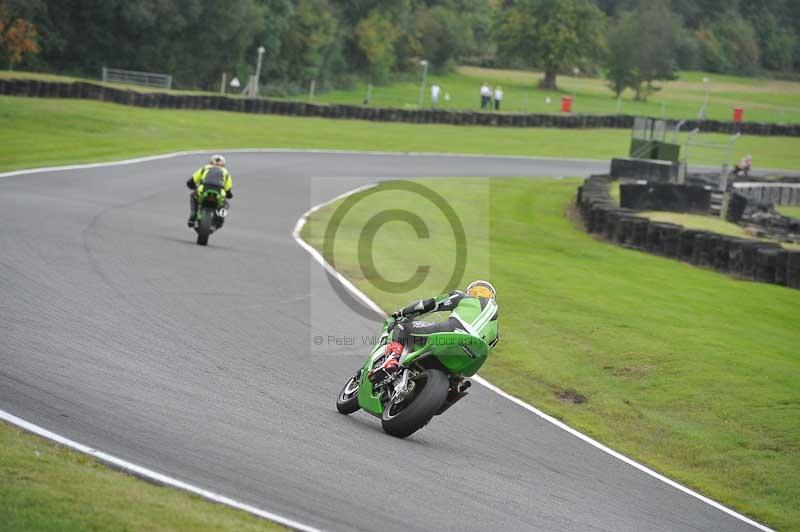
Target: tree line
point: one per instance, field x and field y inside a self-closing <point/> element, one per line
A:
<point x="336" y="42"/>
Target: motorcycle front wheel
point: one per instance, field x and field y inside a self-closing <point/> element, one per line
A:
<point x="347" y="401"/>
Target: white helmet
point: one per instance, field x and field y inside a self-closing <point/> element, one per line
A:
<point x="218" y="160"/>
<point x="481" y="289"/>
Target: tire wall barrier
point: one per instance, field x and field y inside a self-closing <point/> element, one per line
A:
<point x="647" y="169"/>
<point x="750" y="259"/>
<point x="775" y="193"/>
<point x="665" y="197"/>
<point x="755" y="207"/>
<point x="156" y="100"/>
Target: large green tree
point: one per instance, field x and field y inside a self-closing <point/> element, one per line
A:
<point x="310" y="38"/>
<point x="621" y="68"/>
<point x="337" y="41"/>
<point x="739" y="44"/>
<point x="642" y="48"/>
<point x="376" y="36"/>
<point x="194" y="40"/>
<point x="552" y="34"/>
<point x="273" y="27"/>
<point x="473" y="27"/>
<point x="656" y="45"/>
<point x="443" y="34"/>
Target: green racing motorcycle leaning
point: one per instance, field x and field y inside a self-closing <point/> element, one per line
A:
<point x="429" y="380"/>
<point x="212" y="207"/>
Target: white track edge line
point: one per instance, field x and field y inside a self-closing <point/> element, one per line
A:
<point x="318" y="256"/>
<point x="169" y="155"/>
<point x="480" y="380"/>
<point x="149" y="474"/>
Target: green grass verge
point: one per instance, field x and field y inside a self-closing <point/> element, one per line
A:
<point x="44" y="132"/>
<point x="763" y="100"/>
<point x="687" y="370"/>
<point x="697" y="221"/>
<point x="705" y="222"/>
<point x="47" y="487"/>
<point x="789" y="211"/>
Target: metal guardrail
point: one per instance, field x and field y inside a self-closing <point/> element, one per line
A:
<point x="677" y="131"/>
<point x="762" y="184"/>
<point x="134" y="77"/>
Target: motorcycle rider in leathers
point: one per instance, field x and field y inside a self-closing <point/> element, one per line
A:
<point x="473" y="311"/>
<point x="212" y="174"/>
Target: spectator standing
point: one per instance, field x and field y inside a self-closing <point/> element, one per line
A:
<point x="436" y="90"/>
<point x="743" y="168"/>
<point x="498" y="97"/>
<point x="486" y="95"/>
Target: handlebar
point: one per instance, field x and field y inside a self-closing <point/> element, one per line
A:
<point x="391" y="321"/>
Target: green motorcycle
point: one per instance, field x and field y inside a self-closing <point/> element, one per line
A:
<point x="212" y="207"/>
<point x="429" y="380"/>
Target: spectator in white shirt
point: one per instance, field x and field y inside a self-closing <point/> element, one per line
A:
<point x="498" y="97"/>
<point x="436" y="90"/>
<point x="486" y="95"/>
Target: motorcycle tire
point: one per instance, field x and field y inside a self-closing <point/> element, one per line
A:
<point x="347" y="401"/>
<point x="204" y="229"/>
<point x="414" y="412"/>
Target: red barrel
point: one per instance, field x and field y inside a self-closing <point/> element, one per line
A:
<point x="738" y="114"/>
<point x="566" y="104"/>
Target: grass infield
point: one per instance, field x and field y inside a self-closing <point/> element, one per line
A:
<point x="686" y="370"/>
<point x="793" y="211"/>
<point x="707" y="222"/>
<point x="763" y="100"/>
<point x="46" y="132"/>
<point x="44" y="486"/>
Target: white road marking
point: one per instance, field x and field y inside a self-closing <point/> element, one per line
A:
<point x="480" y="380"/>
<point x="318" y="256"/>
<point x="151" y="475"/>
<point x="331" y="152"/>
<point x="284" y="150"/>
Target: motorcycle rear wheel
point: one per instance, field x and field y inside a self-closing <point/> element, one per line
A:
<point x="204" y="229"/>
<point x="404" y="418"/>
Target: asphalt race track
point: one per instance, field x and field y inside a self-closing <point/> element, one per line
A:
<point x="117" y="331"/>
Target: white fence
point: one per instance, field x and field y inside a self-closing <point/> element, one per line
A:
<point x="133" y="77"/>
<point x="712" y="149"/>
